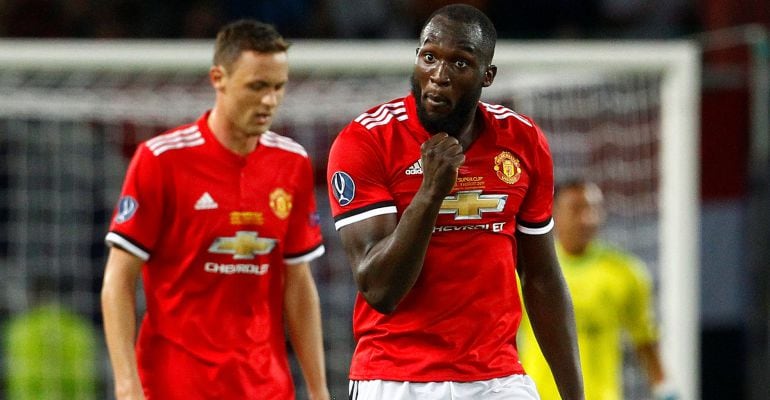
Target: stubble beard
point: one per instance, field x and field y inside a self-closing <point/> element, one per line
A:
<point x="451" y="123"/>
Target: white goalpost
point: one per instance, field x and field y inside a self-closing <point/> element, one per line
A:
<point x="623" y="113"/>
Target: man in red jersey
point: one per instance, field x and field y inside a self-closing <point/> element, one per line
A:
<point x="220" y="219"/>
<point x="439" y="200"/>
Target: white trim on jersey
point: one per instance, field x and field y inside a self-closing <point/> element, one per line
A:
<point x="536" y="231"/>
<point x="383" y="115"/>
<point x="113" y="239"/>
<point x="502" y="112"/>
<point x="364" y="215"/>
<point x="377" y="114"/>
<point x="171" y="135"/>
<point x="272" y="139"/>
<point x="188" y="137"/>
<point x="318" y="252"/>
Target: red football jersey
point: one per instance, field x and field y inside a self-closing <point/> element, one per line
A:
<point x="459" y="321"/>
<point x="216" y="231"/>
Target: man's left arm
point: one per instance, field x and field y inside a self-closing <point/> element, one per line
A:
<point x="302" y="310"/>
<point x="549" y="307"/>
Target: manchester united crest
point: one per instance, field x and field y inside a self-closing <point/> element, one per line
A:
<point x="507" y="167"/>
<point x="280" y="203"/>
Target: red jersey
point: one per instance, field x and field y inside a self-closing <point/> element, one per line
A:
<point x="459" y="321"/>
<point x="216" y="231"/>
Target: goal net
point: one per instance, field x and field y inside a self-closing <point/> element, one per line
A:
<point x="72" y="112"/>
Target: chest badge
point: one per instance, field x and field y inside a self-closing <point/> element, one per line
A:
<point x="472" y="204"/>
<point x="280" y="203"/>
<point x="507" y="167"/>
<point x="243" y="246"/>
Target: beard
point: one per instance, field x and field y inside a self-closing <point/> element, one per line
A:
<point x="451" y="123"/>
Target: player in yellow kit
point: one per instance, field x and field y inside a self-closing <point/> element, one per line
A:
<point x="611" y="293"/>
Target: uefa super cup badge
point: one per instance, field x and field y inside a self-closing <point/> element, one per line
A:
<point x="507" y="167"/>
<point x="280" y="203"/>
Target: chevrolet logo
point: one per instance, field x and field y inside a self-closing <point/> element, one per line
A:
<point x="243" y="246"/>
<point x="471" y="204"/>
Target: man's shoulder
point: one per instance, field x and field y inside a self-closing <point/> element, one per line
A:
<point x="503" y="115"/>
<point x="283" y="144"/>
<point x="180" y="138"/>
<point x="382" y="114"/>
<point x="511" y="126"/>
<point x="374" y="126"/>
<point x="619" y="257"/>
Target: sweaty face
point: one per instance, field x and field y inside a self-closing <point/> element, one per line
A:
<point x="253" y="88"/>
<point x="449" y="73"/>
<point x="578" y="214"/>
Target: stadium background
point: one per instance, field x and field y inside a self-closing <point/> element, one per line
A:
<point x="734" y="283"/>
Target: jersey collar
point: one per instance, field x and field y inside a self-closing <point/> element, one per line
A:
<point x="214" y="143"/>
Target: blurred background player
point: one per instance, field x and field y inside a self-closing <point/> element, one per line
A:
<point x="434" y="195"/>
<point x="51" y="352"/>
<point x="220" y="219"/>
<point x="611" y="293"/>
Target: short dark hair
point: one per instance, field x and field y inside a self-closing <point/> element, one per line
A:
<point x="469" y="15"/>
<point x="574" y="182"/>
<point x="246" y="35"/>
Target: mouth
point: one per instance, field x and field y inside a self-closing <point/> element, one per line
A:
<point x="262" y="118"/>
<point x="436" y="101"/>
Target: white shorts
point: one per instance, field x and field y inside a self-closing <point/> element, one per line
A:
<point x="513" y="387"/>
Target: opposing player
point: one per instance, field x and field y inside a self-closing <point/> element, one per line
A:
<point x="439" y="199"/>
<point x="611" y="291"/>
<point x="220" y="219"/>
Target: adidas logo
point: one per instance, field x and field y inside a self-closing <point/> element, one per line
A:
<point x="206" y="202"/>
<point x="414" y="169"/>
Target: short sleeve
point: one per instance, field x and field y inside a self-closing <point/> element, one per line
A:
<point x="356" y="178"/>
<point x="303" y="240"/>
<point x="639" y="316"/>
<point x="139" y="213"/>
<point x="534" y="215"/>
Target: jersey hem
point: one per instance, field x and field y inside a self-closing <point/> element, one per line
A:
<point x="305" y="257"/>
<point x="360" y="215"/>
<point x="116" y="240"/>
<point x="536" y="230"/>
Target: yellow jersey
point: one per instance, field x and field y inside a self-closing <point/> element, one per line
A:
<point x="611" y="294"/>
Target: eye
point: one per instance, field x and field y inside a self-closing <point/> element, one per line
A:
<point x="257" y="86"/>
<point x="461" y="63"/>
<point x="429" y="57"/>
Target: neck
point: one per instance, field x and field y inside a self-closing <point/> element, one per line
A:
<point x="469" y="132"/>
<point x="229" y="136"/>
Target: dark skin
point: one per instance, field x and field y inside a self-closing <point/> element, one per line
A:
<point x="387" y="253"/>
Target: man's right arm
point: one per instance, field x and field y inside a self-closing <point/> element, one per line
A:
<point x="119" y="314"/>
<point x="387" y="254"/>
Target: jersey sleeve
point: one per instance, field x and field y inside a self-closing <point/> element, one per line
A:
<point x="356" y="178"/>
<point x="534" y="216"/>
<point x="639" y="316"/>
<point x="303" y="239"/>
<point x="137" y="218"/>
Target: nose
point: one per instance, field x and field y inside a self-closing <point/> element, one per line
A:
<point x="439" y="75"/>
<point x="271" y="98"/>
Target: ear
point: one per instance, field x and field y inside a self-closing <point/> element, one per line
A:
<point x="489" y="75"/>
<point x="217" y="77"/>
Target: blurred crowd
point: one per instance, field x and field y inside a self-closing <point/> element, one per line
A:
<point x="515" y="19"/>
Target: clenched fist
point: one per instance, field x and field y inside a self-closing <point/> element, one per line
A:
<point x="442" y="156"/>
